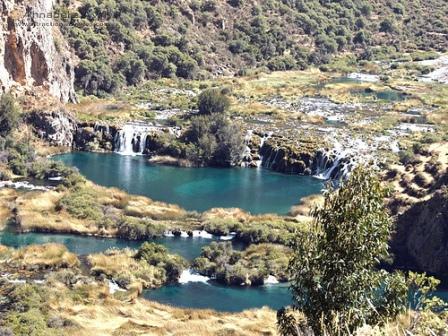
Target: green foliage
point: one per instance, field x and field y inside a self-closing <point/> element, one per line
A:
<point x="44" y="169"/>
<point x="97" y="78"/>
<point x="9" y="114"/>
<point x="334" y="268"/>
<point x="422" y="287"/>
<point x="281" y="63"/>
<point x="82" y="203"/>
<point x="213" y="101"/>
<point x="157" y="255"/>
<point x="29" y="323"/>
<point x="216" y="140"/>
<point x="27" y="313"/>
<point x="432" y="312"/>
<point x="250" y="267"/>
<point x="281" y="35"/>
<point x="387" y="26"/>
<point x="20" y="155"/>
<point x="406" y="156"/>
<point x="139" y="229"/>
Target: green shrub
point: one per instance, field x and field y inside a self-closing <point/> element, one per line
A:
<point x="9" y="114"/>
<point x="406" y="156"/>
<point x="215" y="140"/>
<point x="29" y="323"/>
<point x="335" y="266"/>
<point x="213" y="101"/>
<point x="250" y="267"/>
<point x="157" y="255"/>
<point x="139" y="229"/>
<point x="82" y="204"/>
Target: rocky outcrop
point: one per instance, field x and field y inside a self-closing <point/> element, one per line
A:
<point x="59" y="128"/>
<point x="421" y="239"/>
<point x="32" y="51"/>
<point x="291" y="157"/>
<point x="94" y="137"/>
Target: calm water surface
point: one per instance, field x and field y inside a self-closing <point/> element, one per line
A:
<point x="255" y="190"/>
<point x="189" y="248"/>
<point x="191" y="295"/>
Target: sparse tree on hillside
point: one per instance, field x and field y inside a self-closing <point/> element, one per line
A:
<point x="335" y="280"/>
<point x="213" y="101"/>
<point x="9" y="114"/>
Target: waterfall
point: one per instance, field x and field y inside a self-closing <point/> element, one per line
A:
<point x="338" y="162"/>
<point x="332" y="164"/>
<point x="247" y="158"/>
<point x="265" y="137"/>
<point x="131" y="139"/>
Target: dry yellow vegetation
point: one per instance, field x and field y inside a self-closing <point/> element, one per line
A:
<point x="142" y="317"/>
<point x="46" y="256"/>
<point x="7" y="197"/>
<point x="306" y="204"/>
<point x="121" y="263"/>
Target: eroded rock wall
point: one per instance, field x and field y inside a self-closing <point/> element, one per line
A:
<point x="421" y="240"/>
<point x="60" y="128"/>
<point x="32" y="50"/>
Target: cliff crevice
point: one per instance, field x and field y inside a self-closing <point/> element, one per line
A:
<point x="31" y="53"/>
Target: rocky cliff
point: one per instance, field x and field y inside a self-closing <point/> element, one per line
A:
<point x="60" y="128"/>
<point x="421" y="240"/>
<point x="32" y="52"/>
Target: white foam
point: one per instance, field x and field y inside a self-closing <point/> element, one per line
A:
<point x="202" y="234"/>
<point x="188" y="276"/>
<point x="230" y="236"/>
<point x="271" y="280"/>
<point x="17" y="281"/>
<point x="364" y="77"/>
<point x="22" y="185"/>
<point x="113" y="287"/>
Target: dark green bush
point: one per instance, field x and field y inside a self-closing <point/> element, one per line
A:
<point x="157" y="255"/>
<point x="213" y="101"/>
<point x="9" y="114"/>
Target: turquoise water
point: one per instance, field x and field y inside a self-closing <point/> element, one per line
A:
<point x="255" y="190"/>
<point x="189" y="248"/>
<point x="384" y="95"/>
<point x="191" y="295"/>
<point x="221" y="298"/>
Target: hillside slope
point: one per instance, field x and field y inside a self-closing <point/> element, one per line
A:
<point x="122" y="42"/>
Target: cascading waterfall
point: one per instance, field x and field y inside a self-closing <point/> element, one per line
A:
<point x="247" y="151"/>
<point x="131" y="139"/>
<point x="338" y="162"/>
<point x="262" y="142"/>
<point x="333" y="164"/>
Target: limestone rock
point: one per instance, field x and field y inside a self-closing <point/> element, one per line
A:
<point x="57" y="127"/>
<point x="32" y="50"/>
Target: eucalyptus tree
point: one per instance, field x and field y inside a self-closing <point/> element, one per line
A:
<point x="336" y="280"/>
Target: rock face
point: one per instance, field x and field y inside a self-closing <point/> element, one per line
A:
<point x="32" y="51"/>
<point x="280" y="155"/>
<point x="421" y="240"/>
<point x="59" y="128"/>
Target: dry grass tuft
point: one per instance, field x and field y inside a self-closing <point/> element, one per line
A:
<point x="47" y="256"/>
<point x="121" y="264"/>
